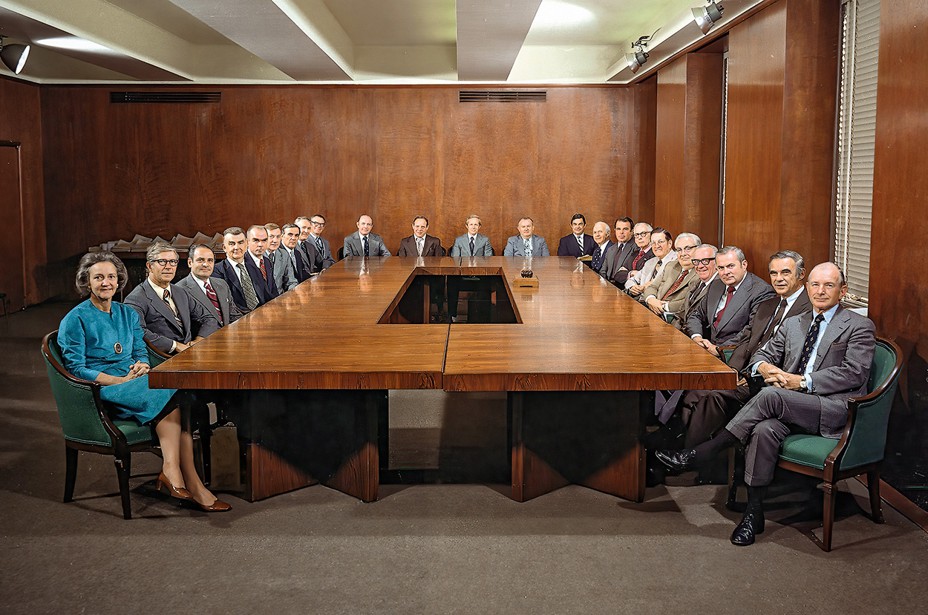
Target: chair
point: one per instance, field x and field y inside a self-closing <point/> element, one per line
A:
<point x="87" y="426"/>
<point x="861" y="447"/>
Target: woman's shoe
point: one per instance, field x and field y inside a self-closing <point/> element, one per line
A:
<point x="216" y="506"/>
<point x="164" y="486"/>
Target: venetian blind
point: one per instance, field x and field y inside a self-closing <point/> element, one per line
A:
<point x="856" y="132"/>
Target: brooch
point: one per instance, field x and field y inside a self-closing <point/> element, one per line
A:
<point x="117" y="347"/>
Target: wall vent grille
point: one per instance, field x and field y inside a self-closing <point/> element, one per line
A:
<point x="165" y="97"/>
<point x="502" y="96"/>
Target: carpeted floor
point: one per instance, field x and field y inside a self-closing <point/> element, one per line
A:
<point x="431" y="548"/>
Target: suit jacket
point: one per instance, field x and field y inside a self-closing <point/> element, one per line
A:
<point x="695" y="292"/>
<point x="516" y="247"/>
<point x="302" y="267"/>
<point x="568" y="246"/>
<point x="264" y="290"/>
<point x="609" y="247"/>
<point x="620" y="276"/>
<point x="316" y="260"/>
<point x="841" y="365"/>
<point x="482" y="246"/>
<point x="228" y="309"/>
<point x="284" y="273"/>
<point x="737" y="315"/>
<point x="661" y="285"/>
<point x="375" y="246"/>
<point x="616" y="259"/>
<point x="756" y="333"/>
<point x="158" y="322"/>
<point x="432" y="247"/>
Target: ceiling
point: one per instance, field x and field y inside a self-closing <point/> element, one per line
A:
<point x="348" y="41"/>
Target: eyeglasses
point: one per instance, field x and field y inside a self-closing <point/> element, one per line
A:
<point x="164" y="262"/>
<point x="684" y="249"/>
<point x="702" y="262"/>
<point x="314" y="223"/>
<point x="643" y="234"/>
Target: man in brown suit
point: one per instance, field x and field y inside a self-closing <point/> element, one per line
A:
<point x="419" y="243"/>
<point x="667" y="293"/>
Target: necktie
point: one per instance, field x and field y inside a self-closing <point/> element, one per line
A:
<point x="293" y="257"/>
<point x="214" y="299"/>
<point x="637" y="260"/>
<point x="598" y="258"/>
<point x="248" y="289"/>
<point x="527" y="247"/>
<point x="367" y="248"/>
<point x="320" y="253"/>
<point x="774" y="323"/>
<point x="167" y="299"/>
<point x="811" y="338"/>
<point x="580" y="241"/>
<point x="270" y="256"/>
<point x="728" y="295"/>
<point x="263" y="270"/>
<point x="420" y="241"/>
<point x="471" y="246"/>
<point x="675" y="285"/>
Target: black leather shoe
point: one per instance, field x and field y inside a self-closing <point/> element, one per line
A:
<point x="752" y="523"/>
<point x="677" y="461"/>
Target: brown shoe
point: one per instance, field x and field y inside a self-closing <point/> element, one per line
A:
<point x="164" y="486"/>
<point x="216" y="506"/>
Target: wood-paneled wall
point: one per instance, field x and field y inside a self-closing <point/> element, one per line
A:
<point x="780" y="136"/>
<point x="22" y="202"/>
<point x="271" y="153"/>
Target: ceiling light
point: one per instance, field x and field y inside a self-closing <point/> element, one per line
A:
<point x="14" y="56"/>
<point x="73" y="43"/>
<point x="639" y="54"/>
<point x="556" y="14"/>
<point x="706" y="16"/>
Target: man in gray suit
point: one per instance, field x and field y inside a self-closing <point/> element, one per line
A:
<point x="364" y="243"/>
<point x="472" y="243"/>
<point x="730" y="301"/>
<point x="526" y="244"/>
<point x="812" y="365"/>
<point x="284" y="272"/>
<point x="167" y="313"/>
<point x="624" y="247"/>
<point x="212" y="293"/>
<point x="314" y="247"/>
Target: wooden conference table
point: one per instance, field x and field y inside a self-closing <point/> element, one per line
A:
<point x="314" y="367"/>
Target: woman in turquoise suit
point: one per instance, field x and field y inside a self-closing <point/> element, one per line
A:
<point x="101" y="340"/>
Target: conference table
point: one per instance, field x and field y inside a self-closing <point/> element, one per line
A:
<point x="310" y="372"/>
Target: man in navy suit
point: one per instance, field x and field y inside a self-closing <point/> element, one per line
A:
<point x="526" y="244"/>
<point x="578" y="243"/>
<point x="248" y="273"/>
<point x="811" y="367"/>
<point x="169" y="316"/>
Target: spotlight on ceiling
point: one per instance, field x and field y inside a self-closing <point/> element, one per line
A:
<point x="639" y="54"/>
<point x="706" y="16"/>
<point x="14" y="56"/>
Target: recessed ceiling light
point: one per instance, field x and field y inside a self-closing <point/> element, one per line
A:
<point x="73" y="43"/>
<point x="555" y="14"/>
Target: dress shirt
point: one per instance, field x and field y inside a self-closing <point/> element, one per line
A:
<point x="650" y="270"/>
<point x="827" y="316"/>
<point x="235" y="268"/>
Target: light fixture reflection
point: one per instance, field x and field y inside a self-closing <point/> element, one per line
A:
<point x="73" y="43"/>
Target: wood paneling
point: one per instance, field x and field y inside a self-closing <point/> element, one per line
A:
<point x="669" y="192"/>
<point x="781" y="109"/>
<point x="271" y="153"/>
<point x="641" y="134"/>
<point x="24" y="213"/>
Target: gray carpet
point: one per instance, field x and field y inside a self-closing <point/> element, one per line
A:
<point x="431" y="548"/>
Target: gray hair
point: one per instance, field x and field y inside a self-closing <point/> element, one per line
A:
<point x="739" y="254"/>
<point x="289" y="226"/>
<point x="157" y="248"/>
<point x="691" y="236"/>
<point x="82" y="279"/>
<point x="707" y="246"/>
<point x="797" y="258"/>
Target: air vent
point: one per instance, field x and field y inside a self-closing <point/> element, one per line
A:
<point x="165" y="97"/>
<point x="502" y="96"/>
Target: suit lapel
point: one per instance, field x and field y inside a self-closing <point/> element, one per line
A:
<point x="737" y="301"/>
<point x="835" y="328"/>
<point x="161" y="305"/>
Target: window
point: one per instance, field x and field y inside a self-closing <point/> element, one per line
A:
<point x="855" y="143"/>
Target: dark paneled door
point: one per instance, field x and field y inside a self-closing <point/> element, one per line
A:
<point x="12" y="281"/>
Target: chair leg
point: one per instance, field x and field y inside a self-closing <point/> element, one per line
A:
<point x="122" y="472"/>
<point x="828" y="515"/>
<point x="70" y="472"/>
<point x="876" y="504"/>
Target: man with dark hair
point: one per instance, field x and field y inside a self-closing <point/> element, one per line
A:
<point x="284" y="272"/>
<point x="811" y="366"/>
<point x="211" y="292"/>
<point x="420" y="243"/>
<point x="636" y="258"/>
<point x="578" y="243"/>
<point x="246" y="270"/>
<point x="290" y="247"/>
<point x="624" y="246"/>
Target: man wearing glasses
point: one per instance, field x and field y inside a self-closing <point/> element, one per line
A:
<point x="315" y="247"/>
<point x="703" y="258"/>
<point x="662" y="248"/>
<point x="637" y="257"/>
<point x="168" y="314"/>
<point x="667" y="293"/>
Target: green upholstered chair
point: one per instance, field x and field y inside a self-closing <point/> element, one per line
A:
<point x="861" y="447"/>
<point x="87" y="426"/>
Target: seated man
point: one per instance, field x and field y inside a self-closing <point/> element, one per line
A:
<point x="364" y="243"/>
<point x="601" y="235"/>
<point x="636" y="258"/>
<point x="729" y="303"/>
<point x="662" y="248"/>
<point x="703" y="258"/>
<point x="812" y="365"/>
<point x="245" y="269"/>
<point x="526" y="244"/>
<point x="420" y="243"/>
<point x="168" y="315"/>
<point x="314" y="246"/>
<point x="212" y="293"/>
<point x="667" y="293"/>
<point x="289" y="247"/>
<point x="472" y="243"/>
<point x="578" y="243"/>
<point x="284" y="273"/>
<point x="624" y="247"/>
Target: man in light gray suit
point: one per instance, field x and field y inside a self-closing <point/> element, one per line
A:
<point x="364" y="243"/>
<point x="812" y="365"/>
<point x="168" y="314"/>
<point x="472" y="243"/>
<point x="526" y="244"/>
<point x="212" y="293"/>
<point x="284" y="272"/>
